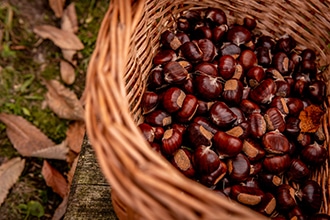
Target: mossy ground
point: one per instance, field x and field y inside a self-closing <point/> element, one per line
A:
<point x="24" y="62"/>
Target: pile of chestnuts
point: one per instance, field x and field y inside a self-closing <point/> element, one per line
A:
<point x="239" y="112"/>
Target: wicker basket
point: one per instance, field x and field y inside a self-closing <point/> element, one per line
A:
<point x="146" y="186"/>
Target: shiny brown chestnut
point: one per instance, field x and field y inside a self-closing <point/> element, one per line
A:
<point x="218" y="33"/>
<point x="208" y="87"/>
<point x="314" y="154"/>
<point x="249" y="22"/>
<point x="310" y="196"/>
<point x="248" y="59"/>
<point x="238" y="168"/>
<point x="276" y="164"/>
<point x="253" y="150"/>
<point x="170" y="40"/>
<point x="297" y="214"/>
<point x="205" y="160"/>
<point x="264" y="92"/>
<point x="239" y="113"/>
<point x="230" y="49"/>
<point x="226" y="66"/>
<point x="238" y="35"/>
<point x="255" y="75"/>
<point x="212" y="179"/>
<point x="148" y="131"/>
<point x="203" y="107"/>
<point x="263" y="56"/>
<point x="206" y="68"/>
<point x="309" y="67"/>
<point x="317" y="91"/>
<point x="304" y="139"/>
<point x="198" y="135"/>
<point x="201" y="32"/>
<point x="246" y="195"/>
<point x="215" y="17"/>
<point x="232" y="91"/>
<point x="269" y="182"/>
<point x="274" y="120"/>
<point x="183" y="37"/>
<point x="295" y="105"/>
<point x="158" y="118"/>
<point x="191" y="52"/>
<point x="188" y="109"/>
<point x="221" y="115"/>
<point x="149" y="101"/>
<point x="280" y="103"/>
<point x="292" y="126"/>
<point x="156" y="78"/>
<point x="285" y="197"/>
<point x="283" y="88"/>
<point x="298" y="171"/>
<point x="285" y="44"/>
<point x="164" y="56"/>
<point x="281" y="62"/>
<point x="209" y="51"/>
<point x="258" y="125"/>
<point x="182" y="160"/>
<point x="205" y="122"/>
<point x="240" y="131"/>
<point x="171" y="141"/>
<point x="275" y="142"/>
<point x="266" y="41"/>
<point x="267" y="204"/>
<point x="308" y="54"/>
<point x="248" y="107"/>
<point x="173" y="99"/>
<point x="227" y="145"/>
<point x="183" y="24"/>
<point x="174" y="72"/>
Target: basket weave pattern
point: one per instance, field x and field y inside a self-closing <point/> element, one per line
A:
<point x="145" y="185"/>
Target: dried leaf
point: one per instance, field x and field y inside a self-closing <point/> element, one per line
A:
<point x="68" y="74"/>
<point x="69" y="55"/>
<point x="61" y="209"/>
<point x="69" y="19"/>
<point x="10" y="171"/>
<point x="25" y="137"/>
<point x="58" y="152"/>
<point x="310" y="118"/>
<point x="54" y="179"/>
<point x="57" y="7"/>
<point x="72" y="171"/>
<point x="75" y="135"/>
<point x="61" y="38"/>
<point x="63" y="101"/>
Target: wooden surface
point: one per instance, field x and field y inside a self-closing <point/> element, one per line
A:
<point x="90" y="193"/>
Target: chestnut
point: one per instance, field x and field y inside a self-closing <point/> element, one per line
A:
<point x="285" y="197"/>
<point x="253" y="150"/>
<point x="158" y="118"/>
<point x="308" y="54"/>
<point x="310" y="196"/>
<point x="164" y="56"/>
<point x="215" y="17"/>
<point x="156" y="79"/>
<point x="240" y="131"/>
<point x="292" y="126"/>
<point x="269" y="182"/>
<point x="281" y="62"/>
<point x="205" y="122"/>
<point x="309" y="67"/>
<point x="201" y="32"/>
<point x="171" y="141"/>
<point x="221" y="115"/>
<point x="295" y="105"/>
<point x="230" y="49"/>
<point x="304" y="139"/>
<point x="226" y="66"/>
<point x="218" y="33"/>
<point x="205" y="160"/>
<point x="203" y="107"/>
<point x="285" y="44"/>
<point x="198" y="135"/>
<point x="209" y="52"/>
<point x="227" y="145"/>
<point x="275" y="142"/>
<point x="191" y="51"/>
<point x="246" y="195"/>
<point x="266" y="42"/>
<point x="298" y="171"/>
<point x="183" y="24"/>
<point x="317" y="91"/>
<point x="297" y="214"/>
<point x="173" y="99"/>
<point x="188" y="109"/>
<point x="212" y="179"/>
<point x="274" y="120"/>
<point x="255" y="75"/>
<point x="257" y="125"/>
<point x="233" y="91"/>
<point x="149" y="102"/>
<point x="239" y="113"/>
<point x="263" y="55"/>
<point x="238" y="168"/>
<point x="320" y="216"/>
<point x="249" y="107"/>
<point x="249" y="22"/>
<point x="238" y="35"/>
<point x="277" y="164"/>
<point x="174" y="72"/>
<point x="206" y="68"/>
<point x="280" y="103"/>
<point x="264" y="92"/>
<point x="208" y="87"/>
<point x="267" y="204"/>
<point x="170" y="40"/>
<point x="248" y="59"/>
<point x="148" y="131"/>
<point x="283" y="88"/>
<point x="314" y="154"/>
<point x="183" y="37"/>
<point x="182" y="160"/>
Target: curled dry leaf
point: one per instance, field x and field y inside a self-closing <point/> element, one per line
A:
<point x="58" y="152"/>
<point x="63" y="101"/>
<point x="75" y="135"/>
<point x="72" y="171"/>
<point x="69" y="55"/>
<point x="57" y="7"/>
<point x="10" y="171"/>
<point x="68" y="74"/>
<point x="310" y="118"/>
<point x="61" y="38"/>
<point x="61" y="209"/>
<point x="54" y="179"/>
<point x="69" y="20"/>
<point x="25" y="137"/>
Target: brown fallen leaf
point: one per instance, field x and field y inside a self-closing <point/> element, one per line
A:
<point x="310" y="118"/>
<point x="58" y="152"/>
<point x="69" y="21"/>
<point x="57" y="7"/>
<point x="54" y="179"/>
<point x="63" y="101"/>
<point x="75" y="135"/>
<point x="69" y="55"/>
<point x="61" y="38"/>
<point x="68" y="74"/>
<point x="10" y="171"/>
<point x="25" y="137"/>
<point x="72" y="171"/>
<point x="61" y="209"/>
